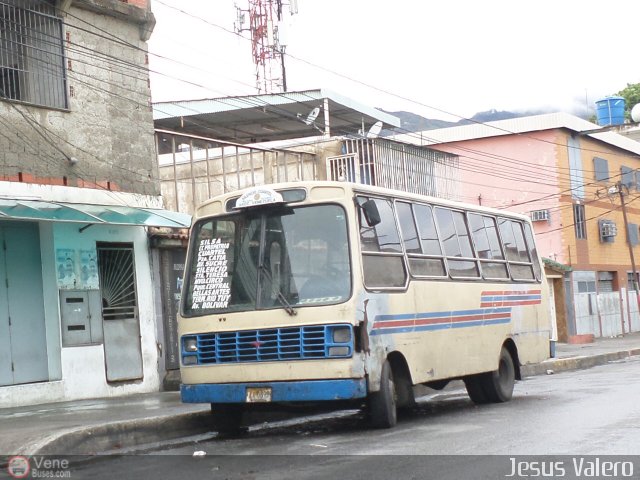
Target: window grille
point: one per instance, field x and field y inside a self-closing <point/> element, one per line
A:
<point x="579" y="221"/>
<point x="31" y="54"/>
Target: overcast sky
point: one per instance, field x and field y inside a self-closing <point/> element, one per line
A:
<point x="423" y="56"/>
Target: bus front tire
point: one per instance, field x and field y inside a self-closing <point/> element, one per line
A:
<point x="496" y="386"/>
<point x="382" y="404"/>
<point x="227" y="419"/>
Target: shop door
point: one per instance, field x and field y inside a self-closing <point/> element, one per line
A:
<point x="120" y="320"/>
<point x="171" y="275"/>
<point x="23" y="345"/>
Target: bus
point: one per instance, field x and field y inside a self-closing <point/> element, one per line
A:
<point x="319" y="291"/>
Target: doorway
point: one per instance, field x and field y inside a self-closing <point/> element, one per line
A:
<point x="23" y="345"/>
<point x="120" y="319"/>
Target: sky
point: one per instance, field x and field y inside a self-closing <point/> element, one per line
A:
<point x="445" y="59"/>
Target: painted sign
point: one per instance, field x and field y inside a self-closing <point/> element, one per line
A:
<point x="211" y="281"/>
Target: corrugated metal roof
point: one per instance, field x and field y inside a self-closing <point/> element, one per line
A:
<point x="517" y="126"/>
<point x="263" y="118"/>
<point x="226" y="104"/>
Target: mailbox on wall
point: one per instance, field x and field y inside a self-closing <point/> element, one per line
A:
<point x="81" y="316"/>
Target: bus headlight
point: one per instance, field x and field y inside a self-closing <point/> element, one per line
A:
<point x="339" y="351"/>
<point x="190" y="344"/>
<point x="189" y="360"/>
<point x="341" y="335"/>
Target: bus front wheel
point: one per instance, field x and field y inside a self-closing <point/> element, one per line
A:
<point x="382" y="404"/>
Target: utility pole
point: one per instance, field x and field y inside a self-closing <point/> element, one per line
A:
<point x="620" y="187"/>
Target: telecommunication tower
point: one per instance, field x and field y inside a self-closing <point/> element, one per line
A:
<point x="266" y="25"/>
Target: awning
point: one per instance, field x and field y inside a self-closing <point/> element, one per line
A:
<point x="91" y="214"/>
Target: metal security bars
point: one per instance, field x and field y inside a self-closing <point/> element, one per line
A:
<point x="31" y="54"/>
<point x="396" y="165"/>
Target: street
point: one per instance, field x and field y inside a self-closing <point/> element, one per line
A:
<point x="591" y="413"/>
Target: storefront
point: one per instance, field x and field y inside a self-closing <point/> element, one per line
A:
<point x="78" y="284"/>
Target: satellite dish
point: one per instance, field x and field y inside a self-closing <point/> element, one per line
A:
<point x="635" y="113"/>
<point x="312" y="116"/>
<point x="375" y="130"/>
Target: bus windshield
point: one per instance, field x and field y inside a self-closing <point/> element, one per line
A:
<point x="265" y="259"/>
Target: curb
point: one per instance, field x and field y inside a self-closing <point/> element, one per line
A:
<point x="121" y="435"/>
<point x="129" y="434"/>
<point x="575" y="363"/>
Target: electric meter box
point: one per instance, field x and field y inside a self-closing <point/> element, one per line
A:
<point x="81" y="315"/>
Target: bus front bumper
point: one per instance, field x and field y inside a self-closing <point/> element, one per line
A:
<point x="302" y="391"/>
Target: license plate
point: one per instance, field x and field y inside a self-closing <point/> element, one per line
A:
<point x="258" y="394"/>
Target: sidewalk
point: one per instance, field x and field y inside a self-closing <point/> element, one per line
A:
<point x="86" y="427"/>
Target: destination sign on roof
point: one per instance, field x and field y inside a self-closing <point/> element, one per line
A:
<point x="259" y="196"/>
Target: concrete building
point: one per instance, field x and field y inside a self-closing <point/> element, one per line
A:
<point x="207" y="147"/>
<point x="567" y="174"/>
<point x="79" y="189"/>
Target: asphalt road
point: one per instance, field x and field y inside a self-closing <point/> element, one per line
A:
<point x="578" y="417"/>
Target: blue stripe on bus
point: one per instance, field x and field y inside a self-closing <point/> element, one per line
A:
<point x="455" y="319"/>
<point x="426" y="315"/>
<point x="509" y="298"/>
<point x="439" y="326"/>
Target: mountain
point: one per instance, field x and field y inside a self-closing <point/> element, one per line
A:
<point x="411" y="122"/>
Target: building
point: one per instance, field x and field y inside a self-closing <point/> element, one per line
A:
<point x="212" y="146"/>
<point x="571" y="178"/>
<point x="79" y="191"/>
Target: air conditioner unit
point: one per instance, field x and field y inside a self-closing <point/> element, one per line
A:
<point x="540" y="216"/>
<point x="608" y="229"/>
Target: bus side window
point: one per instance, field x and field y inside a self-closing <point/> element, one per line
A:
<point x="488" y="248"/>
<point x="533" y="252"/>
<point x="420" y="240"/>
<point x="456" y="241"/>
<point x="382" y="256"/>
<point x="516" y="249"/>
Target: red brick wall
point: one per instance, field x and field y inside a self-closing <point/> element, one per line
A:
<point x="137" y="3"/>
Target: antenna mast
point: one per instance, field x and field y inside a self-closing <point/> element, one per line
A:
<point x="267" y="42"/>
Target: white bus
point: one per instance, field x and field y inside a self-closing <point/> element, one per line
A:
<point x="329" y="291"/>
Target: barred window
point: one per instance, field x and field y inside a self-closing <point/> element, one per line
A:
<point x="31" y="53"/>
<point x="579" y="221"/>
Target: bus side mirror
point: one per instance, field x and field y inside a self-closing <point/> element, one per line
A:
<point x="371" y="213"/>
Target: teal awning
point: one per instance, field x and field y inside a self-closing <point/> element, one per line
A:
<point x="91" y="214"/>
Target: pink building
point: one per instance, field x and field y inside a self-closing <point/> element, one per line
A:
<point x="560" y="170"/>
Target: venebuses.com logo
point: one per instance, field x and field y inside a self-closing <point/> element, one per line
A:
<point x="20" y="466"/>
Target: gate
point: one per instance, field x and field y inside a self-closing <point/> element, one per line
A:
<point x="122" y="350"/>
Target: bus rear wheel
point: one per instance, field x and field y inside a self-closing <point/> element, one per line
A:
<point x="227" y="419"/>
<point x="383" y="403"/>
<point x="496" y="386"/>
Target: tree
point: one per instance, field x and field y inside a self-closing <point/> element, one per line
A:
<point x="631" y="94"/>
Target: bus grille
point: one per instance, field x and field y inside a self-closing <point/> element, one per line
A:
<point x="290" y="343"/>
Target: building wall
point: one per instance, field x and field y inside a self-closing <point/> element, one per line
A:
<point x="591" y="253"/>
<point x="515" y="172"/>
<point x="108" y="126"/>
<point x="540" y="178"/>
<point x="188" y="178"/>
<point x="79" y="371"/>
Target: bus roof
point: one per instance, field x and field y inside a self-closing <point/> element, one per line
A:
<point x="351" y="188"/>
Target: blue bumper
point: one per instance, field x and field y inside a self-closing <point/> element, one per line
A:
<point x="303" y="391"/>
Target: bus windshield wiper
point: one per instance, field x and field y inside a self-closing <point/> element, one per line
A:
<point x="279" y="296"/>
<point x="285" y="304"/>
